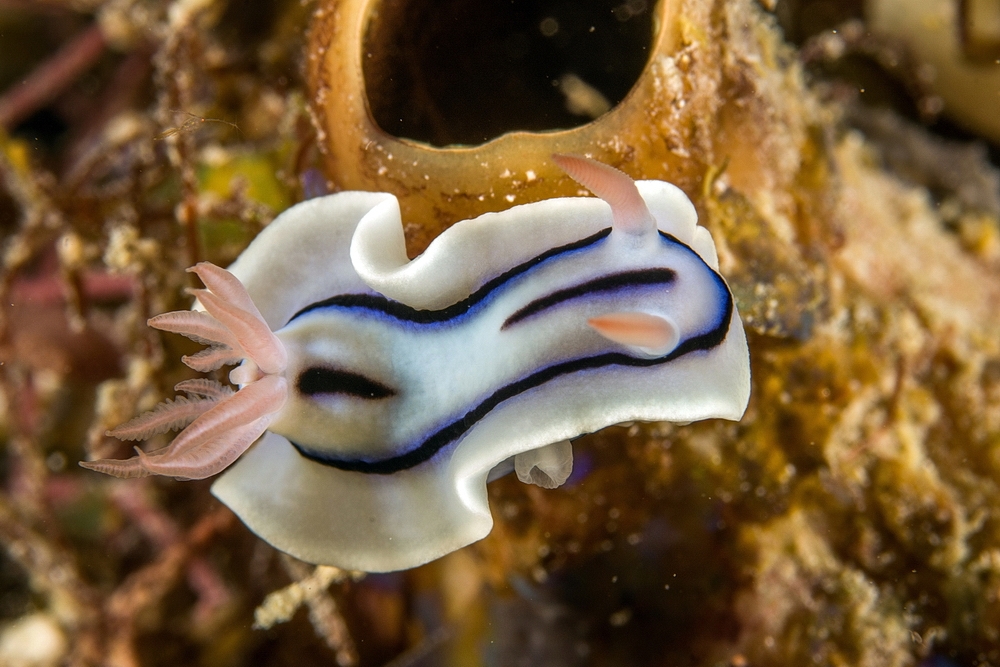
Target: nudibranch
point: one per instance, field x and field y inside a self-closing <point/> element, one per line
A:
<point x="388" y="391"/>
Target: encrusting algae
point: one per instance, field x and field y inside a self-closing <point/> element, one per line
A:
<point x="850" y="518"/>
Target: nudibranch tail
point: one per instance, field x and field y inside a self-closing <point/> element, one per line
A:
<point x="218" y="423"/>
<point x="628" y="209"/>
<point x="548" y="467"/>
<point x="650" y="333"/>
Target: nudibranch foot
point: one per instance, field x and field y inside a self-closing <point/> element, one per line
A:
<point x="548" y="467"/>
<point x="218" y="424"/>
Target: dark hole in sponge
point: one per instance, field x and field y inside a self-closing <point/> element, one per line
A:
<point x="466" y="71"/>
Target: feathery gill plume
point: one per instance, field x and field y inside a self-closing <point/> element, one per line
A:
<point x="218" y="424"/>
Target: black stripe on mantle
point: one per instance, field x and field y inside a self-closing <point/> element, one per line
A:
<point x="608" y="283"/>
<point x="401" y="311"/>
<point x="456" y="429"/>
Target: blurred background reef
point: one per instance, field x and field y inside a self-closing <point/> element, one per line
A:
<point x="842" y="152"/>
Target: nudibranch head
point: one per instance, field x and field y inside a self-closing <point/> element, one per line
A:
<point x="391" y="390"/>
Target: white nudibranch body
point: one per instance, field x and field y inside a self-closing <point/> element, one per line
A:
<point x="391" y="389"/>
